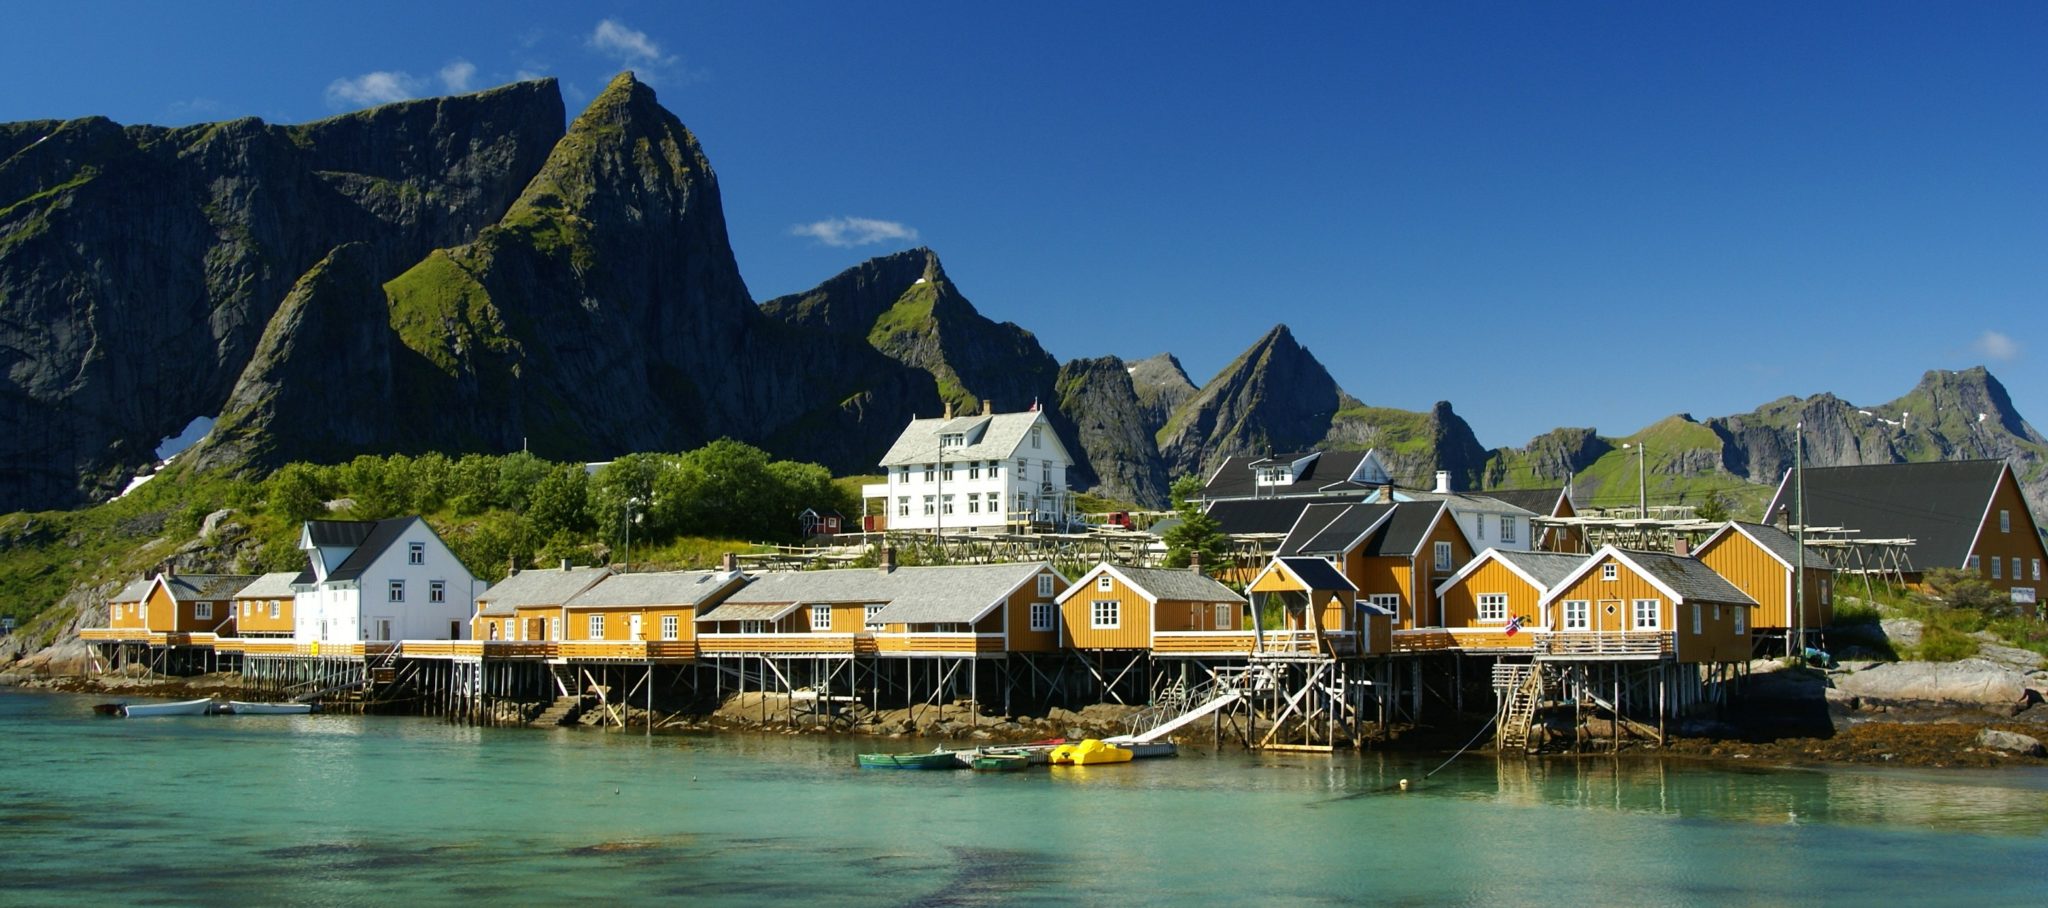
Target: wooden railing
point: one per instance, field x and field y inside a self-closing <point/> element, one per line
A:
<point x="1192" y="642"/>
<point x="751" y="644"/>
<point x="112" y="633"/>
<point x="1493" y="638"/>
<point x="1428" y="639"/>
<point x="938" y="643"/>
<point x="1625" y="643"/>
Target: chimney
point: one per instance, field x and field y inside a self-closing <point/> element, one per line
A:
<point x="1443" y="482"/>
<point x="1195" y="562"/>
<point x="949" y="410"/>
<point x="888" y="561"/>
<point x="511" y="565"/>
<point x="565" y="564"/>
<point x="729" y="562"/>
<point x="987" y="406"/>
<point x="1783" y="518"/>
<point x="1681" y="546"/>
<point x="1387" y="493"/>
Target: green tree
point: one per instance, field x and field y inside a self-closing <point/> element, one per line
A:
<point x="557" y="503"/>
<point x="1196" y="533"/>
<point x="626" y="479"/>
<point x="1185" y="490"/>
<point x="1713" y="509"/>
<point x="431" y="483"/>
<point x="473" y="484"/>
<point x="295" y="491"/>
<point x="518" y="474"/>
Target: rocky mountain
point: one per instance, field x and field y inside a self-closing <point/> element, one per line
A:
<point x="1111" y="425"/>
<point x="1273" y="397"/>
<point x="1162" y="386"/>
<point x="140" y="265"/>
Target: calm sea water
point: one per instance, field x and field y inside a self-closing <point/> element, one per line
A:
<point x="354" y="810"/>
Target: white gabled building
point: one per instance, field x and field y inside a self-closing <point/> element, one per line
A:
<point x="984" y="472"/>
<point x="383" y="580"/>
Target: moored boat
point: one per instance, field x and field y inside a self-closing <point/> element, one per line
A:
<point x="938" y="759"/>
<point x="242" y="708"/>
<point x="179" y="708"/>
<point x="1091" y="752"/>
<point x="1001" y="762"/>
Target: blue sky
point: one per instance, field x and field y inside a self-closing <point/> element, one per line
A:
<point x="1548" y="214"/>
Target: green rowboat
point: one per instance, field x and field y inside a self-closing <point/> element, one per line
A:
<point x="1001" y="762"/>
<point x="938" y="759"/>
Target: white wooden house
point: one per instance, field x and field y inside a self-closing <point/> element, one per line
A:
<point x="982" y="472"/>
<point x="375" y="581"/>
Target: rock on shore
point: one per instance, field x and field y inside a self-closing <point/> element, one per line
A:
<point x="1977" y="683"/>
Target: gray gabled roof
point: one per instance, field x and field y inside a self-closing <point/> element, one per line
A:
<point x="1181" y="585"/>
<point x="133" y="590"/>
<point x="1246" y="516"/>
<point x="186" y="587"/>
<point x="1939" y="505"/>
<point x="687" y="588"/>
<point x="1690" y="578"/>
<point x="1548" y="569"/>
<point x="954" y="594"/>
<point x="269" y="586"/>
<point x="537" y="588"/>
<point x="339" y="533"/>
<point x="1536" y="501"/>
<point x="998" y="436"/>
<point x="1776" y="541"/>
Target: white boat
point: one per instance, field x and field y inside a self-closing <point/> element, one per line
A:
<point x="180" y="708"/>
<point x="241" y="708"/>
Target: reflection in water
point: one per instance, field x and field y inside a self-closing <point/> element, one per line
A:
<point x="372" y="810"/>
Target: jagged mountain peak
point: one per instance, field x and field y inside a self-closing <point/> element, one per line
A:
<point x="1273" y="395"/>
<point x="851" y="301"/>
<point x="625" y="149"/>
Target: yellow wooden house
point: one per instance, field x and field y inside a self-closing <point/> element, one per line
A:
<point x="527" y="605"/>
<point x="1395" y="554"/>
<point x="643" y="616"/>
<point x="193" y="603"/>
<point x="264" y="607"/>
<point x="1647" y="605"/>
<point x="1502" y="590"/>
<point x="1762" y="560"/>
<point x="1163" y="611"/>
<point x="1312" y="607"/>
<point x="125" y="615"/>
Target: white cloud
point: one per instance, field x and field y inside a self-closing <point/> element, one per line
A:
<point x="613" y="39"/>
<point x="371" y="88"/>
<point x="1997" y="346"/>
<point x="457" y="75"/>
<point x="850" y="232"/>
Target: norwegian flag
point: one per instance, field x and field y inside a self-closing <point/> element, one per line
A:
<point x="1514" y="625"/>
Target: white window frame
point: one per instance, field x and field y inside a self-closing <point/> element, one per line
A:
<point x="2014" y="568"/>
<point x="394" y="591"/>
<point x="275" y="610"/>
<point x="1443" y="556"/>
<point x="1493" y="607"/>
<point x="1639" y="609"/>
<point x="1578" y="614"/>
<point x="974" y="502"/>
<point x="974" y="469"/>
<point x="945" y="504"/>
<point x="1041" y="616"/>
<point x="1104" y="584"/>
<point x="931" y="505"/>
<point x="437" y="591"/>
<point x="867" y="617"/>
<point x="903" y="506"/>
<point x="1976" y="564"/>
<point x="1036" y="434"/>
<point x="1696" y="619"/>
<point x="995" y="503"/>
<point x="1507" y="528"/>
<point x="595" y="627"/>
<point x="415" y="553"/>
<point x="2004" y="520"/>
<point x="671" y="627"/>
<point x="821" y="618"/>
<point x="555" y="628"/>
<point x="1480" y="525"/>
<point x="753" y="626"/>
<point x="202" y="611"/>
<point x="1045" y="585"/>
<point x="1610" y="571"/>
<point x="1224" y="613"/>
<point x="2037" y="568"/>
<point x="1105" y="614"/>
<point x="1997" y="568"/>
<point x="1389" y="601"/>
<point x="931" y="470"/>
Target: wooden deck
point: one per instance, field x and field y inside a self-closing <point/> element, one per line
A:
<point x="775" y="644"/>
<point x="948" y="644"/>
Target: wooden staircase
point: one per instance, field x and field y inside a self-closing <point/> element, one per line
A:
<point x="1518" y="713"/>
<point x="562" y="712"/>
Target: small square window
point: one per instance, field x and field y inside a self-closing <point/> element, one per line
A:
<point x="203" y="611"/>
<point x="416" y="553"/>
<point x="396" y="591"/>
<point x="1493" y="607"/>
<point x="1609" y="571"/>
<point x="1647" y="617"/>
<point x="1578" y="614"/>
<point x="1041" y="616"/>
<point x="1103" y="584"/>
<point x="1104" y="614"/>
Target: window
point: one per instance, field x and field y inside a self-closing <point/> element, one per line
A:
<point x="994" y="505"/>
<point x="202" y="611"/>
<point x="274" y="610"/>
<point x="868" y="617"/>
<point x="1578" y="615"/>
<point x="2037" y="569"/>
<point x="1443" y="556"/>
<point x="946" y="473"/>
<point x="1045" y="584"/>
<point x="396" y="591"/>
<point x="1695" y="618"/>
<point x="1045" y="471"/>
<point x="2004" y="520"/>
<point x="1036" y="432"/>
<point x="1608" y="571"/>
<point x="416" y="553"/>
<point x="1104" y="613"/>
<point x="903" y="506"/>
<point x="1827" y="591"/>
<point x="2015" y="567"/>
<point x="671" y="627"/>
<point x="974" y="470"/>
<point x="1975" y="567"/>
<point x="946" y="504"/>
<point x="437" y="591"/>
<point x="1224" y="620"/>
<point x="491" y="630"/>
<point x="931" y="505"/>
<point x="1739" y="619"/>
<point x="821" y="617"/>
<point x="1041" y="616"/>
<point x="1996" y="562"/>
<point x="1102" y="583"/>
<point x="995" y="469"/>
<point x="1507" y="528"/>
<point x="973" y="502"/>
<point x="1493" y="607"/>
<point x="597" y="627"/>
<point x="952" y="441"/>
<point x="1479" y="527"/>
<point x="1391" y="602"/>
<point x="904" y="473"/>
<point x="1646" y="614"/>
<point x="554" y="628"/>
<point x="930" y="470"/>
<point x="753" y="627"/>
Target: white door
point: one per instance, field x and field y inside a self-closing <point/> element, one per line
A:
<point x="633" y="628"/>
<point x="383" y="629"/>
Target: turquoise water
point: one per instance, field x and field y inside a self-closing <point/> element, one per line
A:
<point x="354" y="810"/>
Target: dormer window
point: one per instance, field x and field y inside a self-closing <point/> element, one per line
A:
<point x="952" y="440"/>
<point x="1275" y="476"/>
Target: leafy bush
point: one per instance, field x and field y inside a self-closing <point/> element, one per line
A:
<point x="1856" y="611"/>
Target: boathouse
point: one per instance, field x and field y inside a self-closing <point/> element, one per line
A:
<point x="264" y="607"/>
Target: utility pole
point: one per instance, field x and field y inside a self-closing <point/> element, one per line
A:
<point x="1799" y="506"/>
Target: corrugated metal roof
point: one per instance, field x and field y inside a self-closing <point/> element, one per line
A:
<point x="269" y="586"/>
<point x="537" y="588"/>
<point x="690" y="588"/>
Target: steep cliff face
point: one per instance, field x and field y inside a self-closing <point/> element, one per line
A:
<point x="1274" y="396"/>
<point x="904" y="306"/>
<point x="1162" y="386"/>
<point x="140" y="266"/>
<point x="602" y="314"/>
<point x="1109" y="420"/>
<point x="1548" y="460"/>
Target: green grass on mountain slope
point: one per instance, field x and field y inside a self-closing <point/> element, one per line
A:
<point x="1358" y="427"/>
<point x="1683" y="459"/>
<point x="906" y="323"/>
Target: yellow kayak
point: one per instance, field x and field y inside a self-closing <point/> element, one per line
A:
<point x="1091" y="752"/>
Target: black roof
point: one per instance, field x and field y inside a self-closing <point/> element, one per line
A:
<point x="1541" y="501"/>
<point x="380" y="537"/>
<point x="1234" y="478"/>
<point x="343" y="533"/>
<point x="1318" y="574"/>
<point x="1405" y="530"/>
<point x="1939" y="505"/>
<point x="1240" y="516"/>
<point x="1329" y="529"/>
